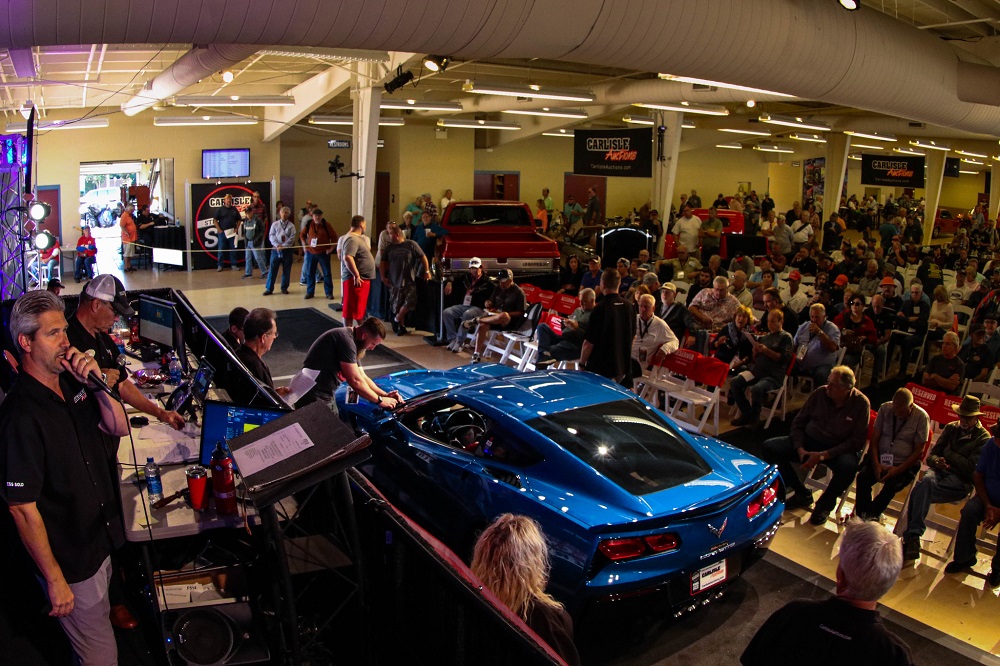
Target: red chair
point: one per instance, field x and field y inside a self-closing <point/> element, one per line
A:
<point x="546" y="298"/>
<point x="530" y="293"/>
<point x="670" y="376"/>
<point x="565" y="304"/>
<point x="711" y="373"/>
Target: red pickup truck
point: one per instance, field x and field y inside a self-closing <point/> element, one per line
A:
<point x="501" y="233"/>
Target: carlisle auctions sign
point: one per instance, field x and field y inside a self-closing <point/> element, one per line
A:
<point x="627" y="153"/>
<point x="899" y="171"/>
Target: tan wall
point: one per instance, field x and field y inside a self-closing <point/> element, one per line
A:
<point x="305" y="158"/>
<point x="712" y="170"/>
<point x="60" y="153"/>
<point x="785" y="184"/>
<point x="429" y="164"/>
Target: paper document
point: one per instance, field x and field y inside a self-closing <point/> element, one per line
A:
<point x="230" y="233"/>
<point x="749" y="336"/>
<point x="165" y="444"/>
<point x="301" y="384"/>
<point x="270" y="450"/>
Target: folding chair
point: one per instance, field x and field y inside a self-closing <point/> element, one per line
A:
<point x="514" y="342"/>
<point x="989" y="394"/>
<point x="781" y="396"/>
<point x="671" y="376"/>
<point x="530" y="292"/>
<point x="565" y="304"/>
<point x="963" y="317"/>
<point x="712" y="374"/>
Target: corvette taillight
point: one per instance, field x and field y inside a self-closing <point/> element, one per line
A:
<point x="763" y="500"/>
<point x="617" y="550"/>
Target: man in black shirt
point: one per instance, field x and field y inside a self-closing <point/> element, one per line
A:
<point x="607" y="348"/>
<point x="505" y="310"/>
<point x="227" y="219"/>
<point x="234" y="334"/>
<point x="844" y="629"/>
<point x="261" y="328"/>
<point x="884" y="319"/>
<point x="54" y="475"/>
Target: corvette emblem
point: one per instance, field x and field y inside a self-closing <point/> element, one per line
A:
<point x="718" y="532"/>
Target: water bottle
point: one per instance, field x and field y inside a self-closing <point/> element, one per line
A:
<point x="175" y="369"/>
<point x="154" y="484"/>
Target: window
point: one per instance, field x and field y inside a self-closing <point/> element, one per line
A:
<point x="495" y="216"/>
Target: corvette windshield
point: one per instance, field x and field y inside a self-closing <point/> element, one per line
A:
<point x="626" y="442"/>
<point x="491" y="216"/>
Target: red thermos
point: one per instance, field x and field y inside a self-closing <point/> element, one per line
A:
<point x="223" y="481"/>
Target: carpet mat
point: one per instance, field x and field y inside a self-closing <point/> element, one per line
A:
<point x="298" y="329"/>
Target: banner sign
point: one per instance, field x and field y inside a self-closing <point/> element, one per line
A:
<point x="206" y="199"/>
<point x="897" y="171"/>
<point x="813" y="179"/>
<point x="624" y="152"/>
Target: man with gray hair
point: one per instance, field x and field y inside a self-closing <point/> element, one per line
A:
<point x="816" y="343"/>
<point x="846" y="628"/>
<point x="897" y="445"/>
<point x="831" y="428"/>
<point x="716" y="307"/>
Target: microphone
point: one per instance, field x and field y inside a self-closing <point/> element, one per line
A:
<point x="95" y="377"/>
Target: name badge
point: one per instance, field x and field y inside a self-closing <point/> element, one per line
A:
<point x="800" y="353"/>
<point x="313" y="242"/>
<point x="916" y="309"/>
<point x="885" y="459"/>
<point x="468" y="299"/>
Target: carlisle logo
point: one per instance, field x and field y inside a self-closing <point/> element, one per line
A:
<point x="615" y="149"/>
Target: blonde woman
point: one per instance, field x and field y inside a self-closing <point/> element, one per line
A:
<point x="511" y="558"/>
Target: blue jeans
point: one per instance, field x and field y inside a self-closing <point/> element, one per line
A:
<point x="455" y="314"/>
<point x="758" y="392"/>
<point x="85" y="268"/>
<point x="282" y="259"/>
<point x="965" y="541"/>
<point x="309" y="269"/>
<point x="780" y="451"/>
<point x="254" y="253"/>
<point x="565" y="347"/>
<point x="937" y="486"/>
<point x="226" y="250"/>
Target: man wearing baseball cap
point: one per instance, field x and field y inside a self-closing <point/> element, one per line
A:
<point x="505" y="310"/>
<point x="476" y="289"/>
<point x="793" y="295"/>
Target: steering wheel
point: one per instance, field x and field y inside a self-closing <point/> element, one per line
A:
<point x="462" y="420"/>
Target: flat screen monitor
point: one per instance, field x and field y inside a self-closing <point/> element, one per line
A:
<point x="223" y="422"/>
<point x="156" y="320"/>
<point x="225" y="163"/>
<point x="202" y="380"/>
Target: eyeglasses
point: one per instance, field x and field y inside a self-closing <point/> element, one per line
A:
<point x="858" y="303"/>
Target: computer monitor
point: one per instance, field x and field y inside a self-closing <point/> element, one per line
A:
<point x="223" y="421"/>
<point x="156" y="320"/>
<point x="202" y="380"/>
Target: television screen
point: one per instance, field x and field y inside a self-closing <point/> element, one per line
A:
<point x="225" y="163"/>
<point x="951" y="166"/>
<point x="156" y="320"/>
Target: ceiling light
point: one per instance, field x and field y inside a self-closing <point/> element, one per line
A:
<point x="736" y="130"/>
<point x="398" y="81"/>
<point x="907" y="151"/>
<point x="437" y="63"/>
<point x="866" y="145"/>
<point x="348" y="55"/>
<point x="532" y="91"/>
<point x="850" y="5"/>
<point x="561" y="132"/>
<point x="390" y="121"/>
<point x="414" y="105"/>
<point x="688" y="107"/>
<point x="477" y="124"/>
<point x="966" y="153"/>
<point x="639" y="120"/>
<point x="812" y="138"/>
<point x="968" y="161"/>
<point x="46" y="125"/>
<point x="773" y="148"/>
<point x="854" y="157"/>
<point x="687" y="124"/>
<point x="751" y="103"/>
<point x="797" y="123"/>
<point x="39" y="210"/>
<point x="929" y="145"/>
<point x="971" y="173"/>
<point x="730" y="146"/>
<point x="26" y="108"/>
<point x="178" y="121"/>
<point x="234" y="100"/>
<point x="578" y="114"/>
<point x="719" y="84"/>
<point x="874" y="136"/>
<point x="227" y="76"/>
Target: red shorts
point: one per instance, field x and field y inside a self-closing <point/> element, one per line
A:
<point x="355" y="299"/>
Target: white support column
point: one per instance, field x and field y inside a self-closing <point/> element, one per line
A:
<point x="932" y="190"/>
<point x="367" y="98"/>
<point x="994" y="195"/>
<point x="838" y="146"/>
<point x="665" y="170"/>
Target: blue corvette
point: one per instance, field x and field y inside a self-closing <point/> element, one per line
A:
<point x="631" y="504"/>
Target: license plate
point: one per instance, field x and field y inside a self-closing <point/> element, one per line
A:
<point x="707" y="577"/>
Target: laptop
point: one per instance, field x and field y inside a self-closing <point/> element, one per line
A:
<point x="223" y="421"/>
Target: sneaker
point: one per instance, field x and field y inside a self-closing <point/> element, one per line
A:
<point x="476" y="357"/>
<point x="819" y="517"/>
<point x="470" y="324"/>
<point x="245" y="276"/>
<point x="236" y="268"/>
<point x="993" y="578"/>
<point x="955" y="566"/>
<point x="268" y="292"/>
<point x="218" y="269"/>
<point x="800" y="500"/>
<point x="911" y="550"/>
<point x="545" y="363"/>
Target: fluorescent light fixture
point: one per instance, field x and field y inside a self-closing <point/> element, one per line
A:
<point x="562" y="132"/>
<point x="26" y="109"/>
<point x="929" y="145"/>
<point x="414" y="105"/>
<point x="532" y="91"/>
<point x="47" y="125"/>
<point x="472" y="123"/>
<point x="854" y="157"/>
<point x="687" y="124"/>
<point x="811" y="138"/>
<point x="391" y="121"/>
<point x="315" y="53"/>
<point x="850" y="5"/>
<point x="182" y="121"/>
<point x="719" y="84"/>
<point x="729" y="146"/>
<point x="966" y="153"/>
<point x="773" y="148"/>
<point x="234" y="100"/>
<point x="688" y="107"/>
<point x="793" y="121"/>
<point x="751" y="132"/>
<point x="874" y="136"/>
<point x="968" y="161"/>
<point x="578" y="114"/>
<point x="971" y="173"/>
<point x="907" y="151"/>
<point x="870" y="146"/>
<point x="639" y="120"/>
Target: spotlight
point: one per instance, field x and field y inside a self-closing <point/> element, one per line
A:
<point x="227" y="75"/>
<point x="26" y="108"/>
<point x="39" y="210"/>
<point x="44" y="240"/>
<point x="751" y="103"/>
<point x="850" y="5"/>
<point x="437" y="63"/>
<point x="401" y="79"/>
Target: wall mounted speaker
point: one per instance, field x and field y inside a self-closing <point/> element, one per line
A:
<point x="219" y="635"/>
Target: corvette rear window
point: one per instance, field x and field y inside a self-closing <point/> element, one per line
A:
<point x="489" y="216"/>
<point x="626" y="442"/>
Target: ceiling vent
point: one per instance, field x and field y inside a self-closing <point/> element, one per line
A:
<point x="917" y="125"/>
<point x="701" y="87"/>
